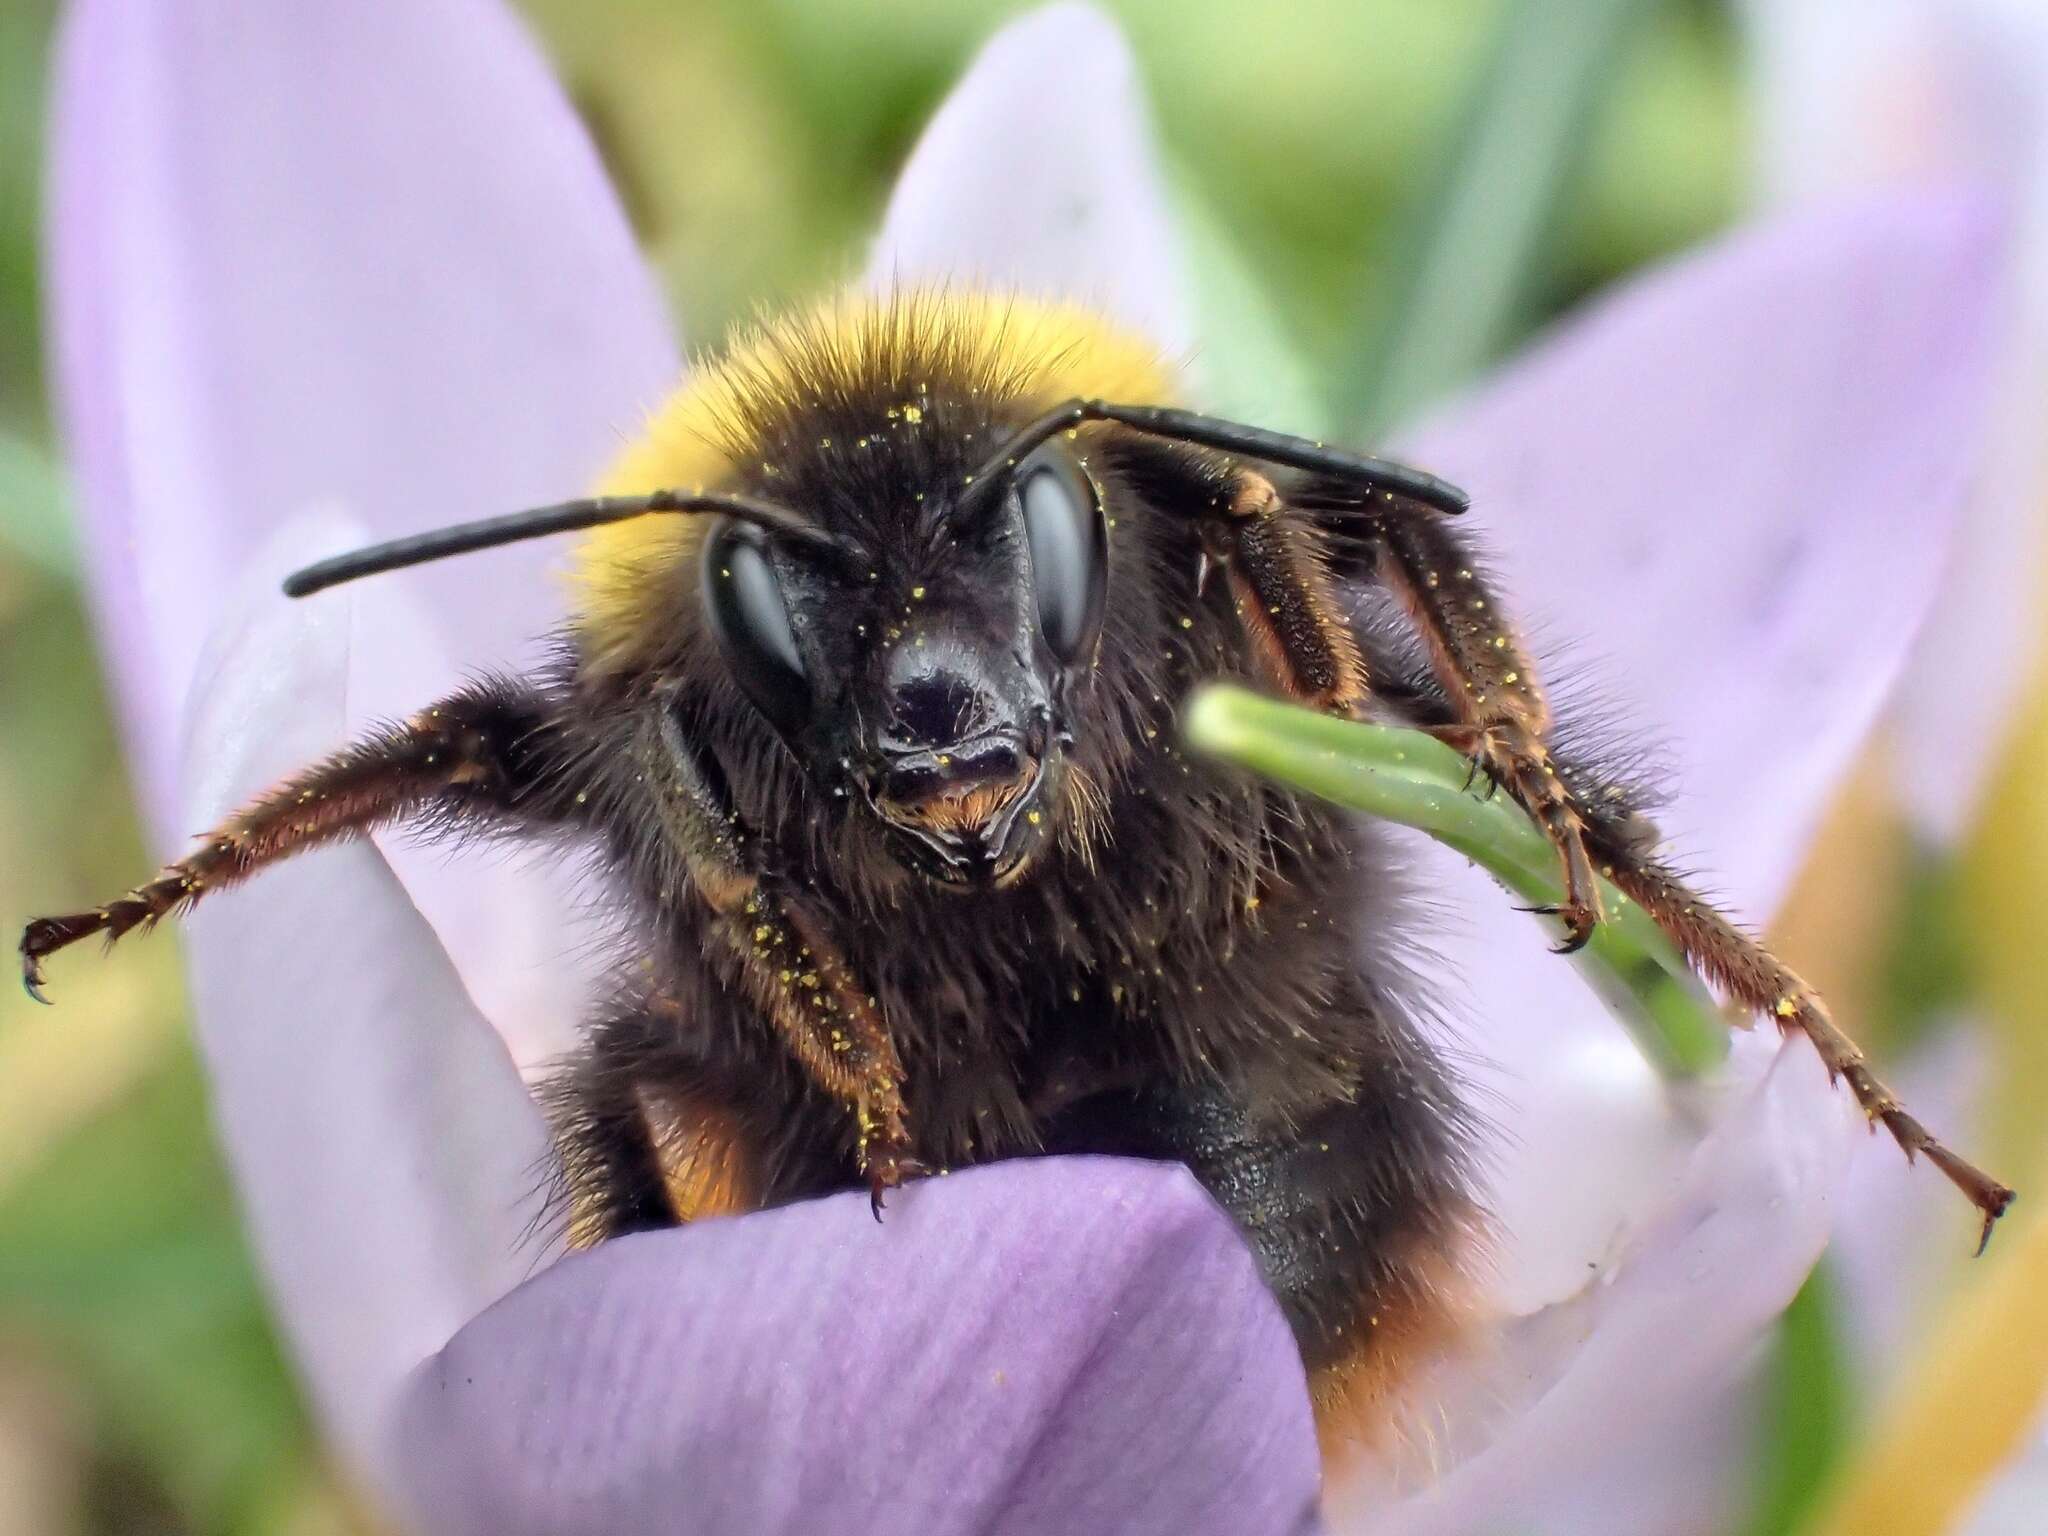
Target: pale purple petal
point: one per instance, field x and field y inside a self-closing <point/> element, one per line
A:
<point x="387" y="1155"/>
<point x="1727" y="494"/>
<point x="1077" y="1344"/>
<point x="358" y="257"/>
<point x="1038" y="175"/>
<point x="1732" y="486"/>
<point x="1892" y="92"/>
<point x="1584" y="1389"/>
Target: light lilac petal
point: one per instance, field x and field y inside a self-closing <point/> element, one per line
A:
<point x="356" y="257"/>
<point x="1586" y="1390"/>
<point x="1038" y="174"/>
<point x="1728" y="494"/>
<point x="1732" y="485"/>
<point x="1892" y="92"/>
<point x="1064" y="1345"/>
<point x="387" y="1155"/>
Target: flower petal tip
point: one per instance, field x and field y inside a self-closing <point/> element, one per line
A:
<point x="1038" y="174"/>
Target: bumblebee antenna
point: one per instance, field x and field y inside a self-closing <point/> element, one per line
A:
<point x="1230" y="437"/>
<point x="539" y="522"/>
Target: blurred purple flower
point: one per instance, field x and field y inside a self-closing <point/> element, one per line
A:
<point x="322" y="273"/>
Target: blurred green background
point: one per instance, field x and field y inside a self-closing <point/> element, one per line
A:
<point x="1398" y="189"/>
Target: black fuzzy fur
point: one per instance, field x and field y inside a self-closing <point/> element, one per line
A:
<point x="1202" y="973"/>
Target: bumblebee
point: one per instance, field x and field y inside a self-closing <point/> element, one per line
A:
<point x="866" y="711"/>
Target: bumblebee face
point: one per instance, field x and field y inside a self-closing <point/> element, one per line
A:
<point x="929" y="685"/>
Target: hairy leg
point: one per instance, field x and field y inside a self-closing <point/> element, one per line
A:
<point x="1498" y="716"/>
<point x="1280" y="585"/>
<point x="785" y="958"/>
<point x="1623" y="845"/>
<point x="1501" y="719"/>
<point x="484" y="754"/>
<point x="1761" y="982"/>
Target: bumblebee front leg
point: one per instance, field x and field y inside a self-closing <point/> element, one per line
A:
<point x="1276" y="566"/>
<point x="481" y="753"/>
<point x="1279" y="571"/>
<point x="1502" y="720"/>
<point x="786" y="960"/>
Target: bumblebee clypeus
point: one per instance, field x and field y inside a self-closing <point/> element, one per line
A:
<point x="867" y="707"/>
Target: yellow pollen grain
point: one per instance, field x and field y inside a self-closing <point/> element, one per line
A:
<point x="1033" y="817"/>
<point x="917" y="594"/>
<point x="1513" y="677"/>
<point x="912" y="414"/>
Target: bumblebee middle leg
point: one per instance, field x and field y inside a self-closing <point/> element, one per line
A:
<point x="657" y="1124"/>
<point x="1276" y="564"/>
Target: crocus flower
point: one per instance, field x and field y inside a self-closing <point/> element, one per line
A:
<point x="323" y="273"/>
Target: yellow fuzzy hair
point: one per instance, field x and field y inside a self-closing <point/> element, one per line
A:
<point x="1023" y="352"/>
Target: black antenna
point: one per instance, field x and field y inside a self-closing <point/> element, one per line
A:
<point x="1228" y="437"/>
<point x="539" y="522"/>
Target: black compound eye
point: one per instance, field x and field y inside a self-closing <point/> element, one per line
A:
<point x="751" y="621"/>
<point x="1069" y="540"/>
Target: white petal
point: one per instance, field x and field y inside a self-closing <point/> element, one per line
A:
<point x="1580" y="1387"/>
<point x="1734" y="481"/>
<point x="1726" y="494"/>
<point x="387" y="1155"/>
<point x="1038" y="175"/>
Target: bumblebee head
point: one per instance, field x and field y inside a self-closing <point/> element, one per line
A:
<point x="899" y="558"/>
<point x="930" y="678"/>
